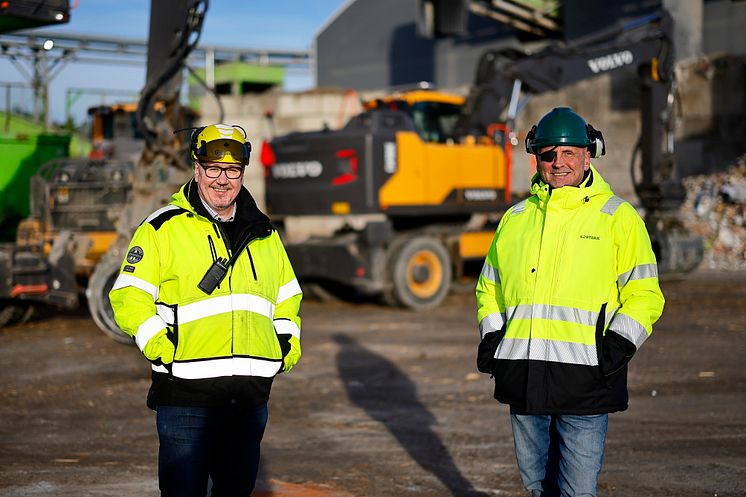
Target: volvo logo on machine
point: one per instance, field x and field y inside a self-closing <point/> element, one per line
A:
<point x="480" y="195"/>
<point x="611" y="61"/>
<point x="304" y="169"/>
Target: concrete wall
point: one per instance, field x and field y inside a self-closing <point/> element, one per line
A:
<point x="723" y="27"/>
<point x="590" y="99"/>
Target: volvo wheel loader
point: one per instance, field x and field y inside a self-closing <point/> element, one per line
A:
<point x="409" y="191"/>
<point x="74" y="205"/>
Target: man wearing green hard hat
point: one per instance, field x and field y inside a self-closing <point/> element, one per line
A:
<point x="568" y="293"/>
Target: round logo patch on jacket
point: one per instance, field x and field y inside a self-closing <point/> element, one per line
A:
<point x="134" y="255"/>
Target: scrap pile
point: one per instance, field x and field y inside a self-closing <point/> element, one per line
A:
<point x="715" y="209"/>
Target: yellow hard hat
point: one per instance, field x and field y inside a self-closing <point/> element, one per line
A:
<point x="224" y="143"/>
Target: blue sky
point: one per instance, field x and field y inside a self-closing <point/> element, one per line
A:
<point x="287" y="24"/>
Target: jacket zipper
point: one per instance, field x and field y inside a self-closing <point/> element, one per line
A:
<point x="251" y="260"/>
<point x="221" y="236"/>
<point x="213" y="250"/>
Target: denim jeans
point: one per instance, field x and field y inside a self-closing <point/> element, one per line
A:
<point x="198" y="444"/>
<point x="559" y="455"/>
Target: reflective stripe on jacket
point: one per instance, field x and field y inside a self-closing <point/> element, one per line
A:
<point x="222" y="347"/>
<point x="568" y="292"/>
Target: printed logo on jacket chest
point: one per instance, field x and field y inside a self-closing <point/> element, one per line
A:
<point x="589" y="237"/>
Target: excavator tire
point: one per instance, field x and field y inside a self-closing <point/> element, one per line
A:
<point x="11" y="314"/>
<point x="97" y="294"/>
<point x="419" y="270"/>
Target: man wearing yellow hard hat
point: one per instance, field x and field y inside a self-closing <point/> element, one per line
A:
<point x="208" y="294"/>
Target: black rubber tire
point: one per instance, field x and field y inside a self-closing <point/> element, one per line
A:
<point x="11" y="314"/>
<point x="97" y="294"/>
<point x="419" y="270"/>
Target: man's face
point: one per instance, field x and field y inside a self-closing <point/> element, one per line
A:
<point x="565" y="167"/>
<point x="219" y="193"/>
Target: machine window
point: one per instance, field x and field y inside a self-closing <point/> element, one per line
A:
<point x="435" y="122"/>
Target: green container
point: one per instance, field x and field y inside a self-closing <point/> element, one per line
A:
<point x="20" y="158"/>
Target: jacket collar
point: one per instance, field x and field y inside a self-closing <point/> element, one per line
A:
<point x="247" y="212"/>
<point x="570" y="196"/>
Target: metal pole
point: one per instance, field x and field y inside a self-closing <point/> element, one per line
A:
<point x="45" y="93"/>
<point x="210" y="68"/>
<point x="7" y="108"/>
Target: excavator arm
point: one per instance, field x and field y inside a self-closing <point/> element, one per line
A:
<point x="503" y="75"/>
<point x="175" y="27"/>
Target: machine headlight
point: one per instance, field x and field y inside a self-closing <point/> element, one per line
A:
<point x="62" y="195"/>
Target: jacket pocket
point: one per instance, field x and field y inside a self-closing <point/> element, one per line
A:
<point x="613" y="350"/>
<point x="169" y="313"/>
<point x="486" y="360"/>
<point x="617" y="352"/>
<point x="600" y="325"/>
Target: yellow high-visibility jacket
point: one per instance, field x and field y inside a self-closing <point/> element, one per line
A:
<point x="567" y="294"/>
<point x="214" y="349"/>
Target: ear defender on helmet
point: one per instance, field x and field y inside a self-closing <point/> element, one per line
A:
<point x="597" y="147"/>
<point x="193" y="141"/>
<point x="530" y="140"/>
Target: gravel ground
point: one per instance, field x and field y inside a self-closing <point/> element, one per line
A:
<point x="384" y="402"/>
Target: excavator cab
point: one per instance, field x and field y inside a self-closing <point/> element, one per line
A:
<point x="434" y="114"/>
<point x="401" y="156"/>
<point x="435" y="122"/>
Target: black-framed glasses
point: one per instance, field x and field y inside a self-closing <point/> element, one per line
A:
<point x="214" y="172"/>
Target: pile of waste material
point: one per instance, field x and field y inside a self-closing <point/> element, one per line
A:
<point x="715" y="209"/>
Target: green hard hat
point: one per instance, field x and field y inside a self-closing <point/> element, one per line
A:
<point x="561" y="126"/>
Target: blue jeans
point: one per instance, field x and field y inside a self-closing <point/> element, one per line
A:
<point x="559" y="455"/>
<point x="198" y="444"/>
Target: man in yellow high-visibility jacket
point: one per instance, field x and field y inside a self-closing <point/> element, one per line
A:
<point x="208" y="294"/>
<point x="568" y="293"/>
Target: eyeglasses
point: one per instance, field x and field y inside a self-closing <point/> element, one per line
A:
<point x="214" y="172"/>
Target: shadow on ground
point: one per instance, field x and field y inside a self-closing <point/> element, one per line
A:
<point x="371" y="381"/>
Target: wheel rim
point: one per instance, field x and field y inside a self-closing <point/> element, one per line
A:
<point x="424" y="274"/>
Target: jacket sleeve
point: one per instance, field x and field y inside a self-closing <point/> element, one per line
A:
<point x="134" y="294"/>
<point x="287" y="309"/>
<point x="490" y="301"/>
<point x="640" y="295"/>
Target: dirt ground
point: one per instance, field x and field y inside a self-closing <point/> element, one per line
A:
<point x="384" y="402"/>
